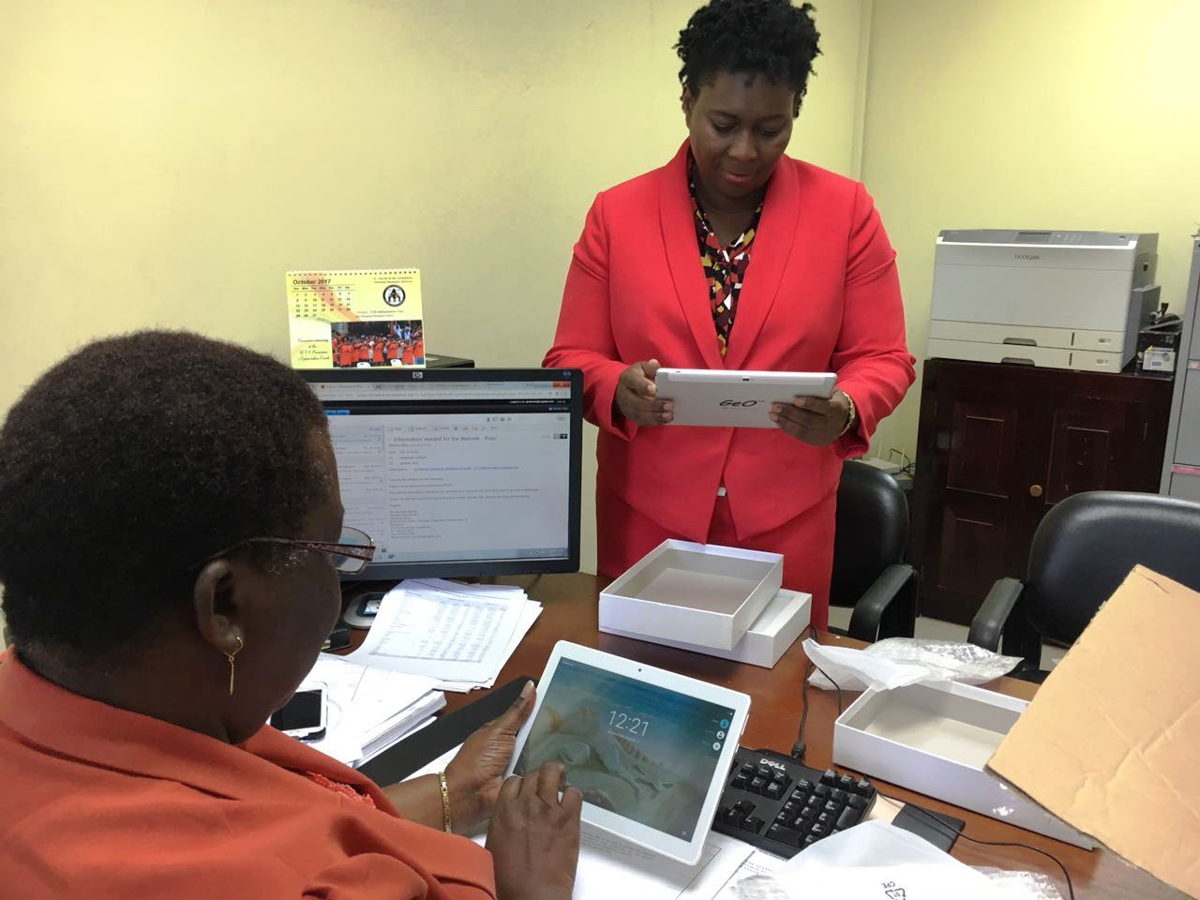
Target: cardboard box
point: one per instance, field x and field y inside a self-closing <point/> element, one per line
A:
<point x="936" y="739"/>
<point x="767" y="639"/>
<point x="699" y="593"/>
<point x="1111" y="742"/>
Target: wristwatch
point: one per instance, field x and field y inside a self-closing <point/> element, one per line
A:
<point x="851" y="415"/>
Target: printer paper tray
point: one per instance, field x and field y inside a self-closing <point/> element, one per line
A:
<point x="1044" y="357"/>
<point x="1030" y="336"/>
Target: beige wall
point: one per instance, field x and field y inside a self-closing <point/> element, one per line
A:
<point x="166" y="163"/>
<point x="1029" y="114"/>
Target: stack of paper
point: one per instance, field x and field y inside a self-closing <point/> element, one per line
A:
<point x="369" y="709"/>
<point x="459" y="634"/>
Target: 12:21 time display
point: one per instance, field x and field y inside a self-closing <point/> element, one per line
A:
<point x="625" y="722"/>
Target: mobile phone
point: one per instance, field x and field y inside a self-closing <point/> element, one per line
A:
<point x="304" y="716"/>
<point x="339" y="638"/>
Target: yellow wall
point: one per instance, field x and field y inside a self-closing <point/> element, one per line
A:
<point x="1072" y="114"/>
<point x="166" y="163"/>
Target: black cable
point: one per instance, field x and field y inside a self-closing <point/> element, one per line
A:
<point x="937" y="823"/>
<point x="799" y="748"/>
<point x="948" y="832"/>
<point x="836" y="687"/>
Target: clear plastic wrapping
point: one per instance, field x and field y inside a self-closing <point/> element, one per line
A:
<point x="894" y="662"/>
<point x="946" y="660"/>
<point x="1022" y="885"/>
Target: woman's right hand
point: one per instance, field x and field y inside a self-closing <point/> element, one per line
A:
<point x="637" y="398"/>
<point x="534" y="836"/>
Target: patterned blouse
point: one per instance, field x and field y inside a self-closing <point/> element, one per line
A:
<point x="724" y="266"/>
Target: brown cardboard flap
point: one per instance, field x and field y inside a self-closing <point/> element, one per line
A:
<point x="1111" y="742"/>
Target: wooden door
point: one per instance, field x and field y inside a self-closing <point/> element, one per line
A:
<point x="972" y="467"/>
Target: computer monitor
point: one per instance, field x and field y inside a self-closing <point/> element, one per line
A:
<point x="458" y="472"/>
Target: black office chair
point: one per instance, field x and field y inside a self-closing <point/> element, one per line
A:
<point x="869" y="572"/>
<point x="1082" y="550"/>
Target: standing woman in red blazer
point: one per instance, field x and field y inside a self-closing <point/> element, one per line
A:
<point x="734" y="256"/>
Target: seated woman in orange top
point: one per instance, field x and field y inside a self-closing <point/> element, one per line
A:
<point x="170" y="535"/>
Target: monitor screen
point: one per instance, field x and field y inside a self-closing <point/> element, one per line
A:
<point x="458" y="471"/>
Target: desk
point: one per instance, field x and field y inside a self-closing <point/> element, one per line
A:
<point x="570" y="613"/>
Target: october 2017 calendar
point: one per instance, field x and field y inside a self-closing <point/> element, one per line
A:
<point x="361" y="318"/>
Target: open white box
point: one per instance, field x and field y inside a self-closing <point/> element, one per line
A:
<point x="936" y="739"/>
<point x="701" y="594"/>
<point x="768" y="638"/>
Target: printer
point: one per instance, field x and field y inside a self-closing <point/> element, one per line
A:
<point x="1060" y="299"/>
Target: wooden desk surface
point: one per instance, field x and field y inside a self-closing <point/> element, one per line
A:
<point x="570" y="613"/>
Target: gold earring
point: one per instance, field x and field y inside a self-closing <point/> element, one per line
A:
<point x="230" y="656"/>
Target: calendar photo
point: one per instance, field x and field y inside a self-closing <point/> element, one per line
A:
<point x="364" y="345"/>
<point x="364" y="318"/>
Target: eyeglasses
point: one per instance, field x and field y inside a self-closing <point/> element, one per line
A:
<point x="350" y="555"/>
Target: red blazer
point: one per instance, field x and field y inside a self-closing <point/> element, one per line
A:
<point x="103" y="802"/>
<point x="821" y="294"/>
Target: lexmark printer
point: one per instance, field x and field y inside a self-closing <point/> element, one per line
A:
<point x="1061" y="299"/>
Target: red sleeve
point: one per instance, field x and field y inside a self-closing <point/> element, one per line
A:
<point x="584" y="339"/>
<point x="871" y="358"/>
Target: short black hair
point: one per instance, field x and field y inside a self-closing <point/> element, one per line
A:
<point x="130" y="462"/>
<point x="755" y="37"/>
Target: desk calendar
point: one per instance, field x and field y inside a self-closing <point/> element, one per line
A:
<point x="363" y="318"/>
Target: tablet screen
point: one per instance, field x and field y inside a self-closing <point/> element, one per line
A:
<point x="639" y="750"/>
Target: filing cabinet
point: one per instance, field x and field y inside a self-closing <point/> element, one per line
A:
<point x="1181" y="463"/>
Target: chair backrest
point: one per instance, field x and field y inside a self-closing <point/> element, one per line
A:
<point x="871" y="531"/>
<point x="1087" y="544"/>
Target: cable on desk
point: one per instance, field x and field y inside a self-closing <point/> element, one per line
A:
<point x="941" y="827"/>
<point x="799" y="749"/>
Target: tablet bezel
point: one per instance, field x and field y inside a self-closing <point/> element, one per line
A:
<point x="629" y="829"/>
<point x="700" y="389"/>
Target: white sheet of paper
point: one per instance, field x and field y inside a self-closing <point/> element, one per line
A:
<point x="529" y="615"/>
<point x="453" y="634"/>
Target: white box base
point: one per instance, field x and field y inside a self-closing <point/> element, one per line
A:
<point x="699" y="593"/>
<point x="773" y="632"/>
<point x="936" y="739"/>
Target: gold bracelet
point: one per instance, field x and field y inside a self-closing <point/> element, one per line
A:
<point x="446" y="825"/>
<point x="851" y="414"/>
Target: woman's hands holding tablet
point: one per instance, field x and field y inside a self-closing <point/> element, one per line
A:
<point x="534" y="835"/>
<point x="814" y="420"/>
<point x="636" y="397"/>
<point x="475" y="774"/>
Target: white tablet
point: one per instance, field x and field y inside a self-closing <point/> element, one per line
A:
<point x="736" y="399"/>
<point x="650" y="750"/>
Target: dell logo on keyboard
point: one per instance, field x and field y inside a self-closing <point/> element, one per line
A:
<point x="739" y="402"/>
<point x="772" y="764"/>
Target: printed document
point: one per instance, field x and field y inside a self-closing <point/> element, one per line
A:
<point x="459" y="634"/>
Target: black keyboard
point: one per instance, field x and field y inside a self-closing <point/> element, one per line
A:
<point x="782" y="806"/>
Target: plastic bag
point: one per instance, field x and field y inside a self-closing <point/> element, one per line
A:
<point x="1023" y="885"/>
<point x="877" y="861"/>
<point x="894" y="662"/>
<point x="871" y="861"/>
